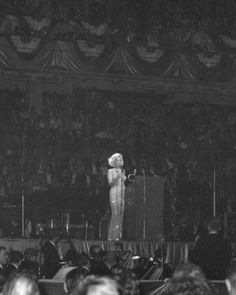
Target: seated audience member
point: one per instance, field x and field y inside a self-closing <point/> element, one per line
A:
<point x="93" y="285"/>
<point x="212" y="253"/>
<point x="52" y="258"/>
<point x="15" y="259"/>
<point x="231" y="279"/>
<point x="21" y="284"/>
<point x="3" y="264"/>
<point x="29" y="262"/>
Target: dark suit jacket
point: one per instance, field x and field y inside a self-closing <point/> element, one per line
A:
<point x="51" y="260"/>
<point x="10" y="269"/>
<point x="29" y="265"/>
<point x="99" y="268"/>
<point x="213" y="254"/>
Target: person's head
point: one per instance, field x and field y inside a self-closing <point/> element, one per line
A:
<point x="3" y="256"/>
<point x="30" y="254"/>
<point x="96" y="252"/>
<point x="21" y="284"/>
<point x="189" y="270"/>
<point x="93" y="285"/>
<point x="72" y="279"/>
<point x="15" y="257"/>
<point x="189" y="279"/>
<point x="116" y="161"/>
<point x="214" y="225"/>
<point x="231" y="278"/>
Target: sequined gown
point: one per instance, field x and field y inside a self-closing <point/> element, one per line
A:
<point x="116" y="179"/>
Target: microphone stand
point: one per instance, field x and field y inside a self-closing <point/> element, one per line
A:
<point x="144" y="205"/>
<point x="40" y="253"/>
<point x="23" y="185"/>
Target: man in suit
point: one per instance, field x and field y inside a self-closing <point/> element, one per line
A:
<point x="212" y="253"/>
<point x="52" y="258"/>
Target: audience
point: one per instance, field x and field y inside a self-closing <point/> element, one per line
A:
<point x="187" y="279"/>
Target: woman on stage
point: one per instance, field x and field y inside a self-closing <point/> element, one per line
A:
<point x="116" y="178"/>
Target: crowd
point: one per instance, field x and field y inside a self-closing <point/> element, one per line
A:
<point x="99" y="271"/>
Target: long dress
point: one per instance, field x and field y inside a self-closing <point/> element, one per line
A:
<point x="116" y="179"/>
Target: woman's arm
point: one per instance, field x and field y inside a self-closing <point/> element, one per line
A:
<point x="112" y="178"/>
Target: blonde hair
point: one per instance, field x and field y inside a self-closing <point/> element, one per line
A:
<point x="112" y="160"/>
<point x="21" y="284"/>
<point x="95" y="285"/>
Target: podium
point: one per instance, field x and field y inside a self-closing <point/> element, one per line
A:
<point x="144" y="208"/>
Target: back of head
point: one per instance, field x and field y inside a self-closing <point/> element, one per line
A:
<point x="93" y="285"/>
<point x="21" y="284"/>
<point x="188" y="270"/>
<point x="72" y="279"/>
<point x="189" y="279"/>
